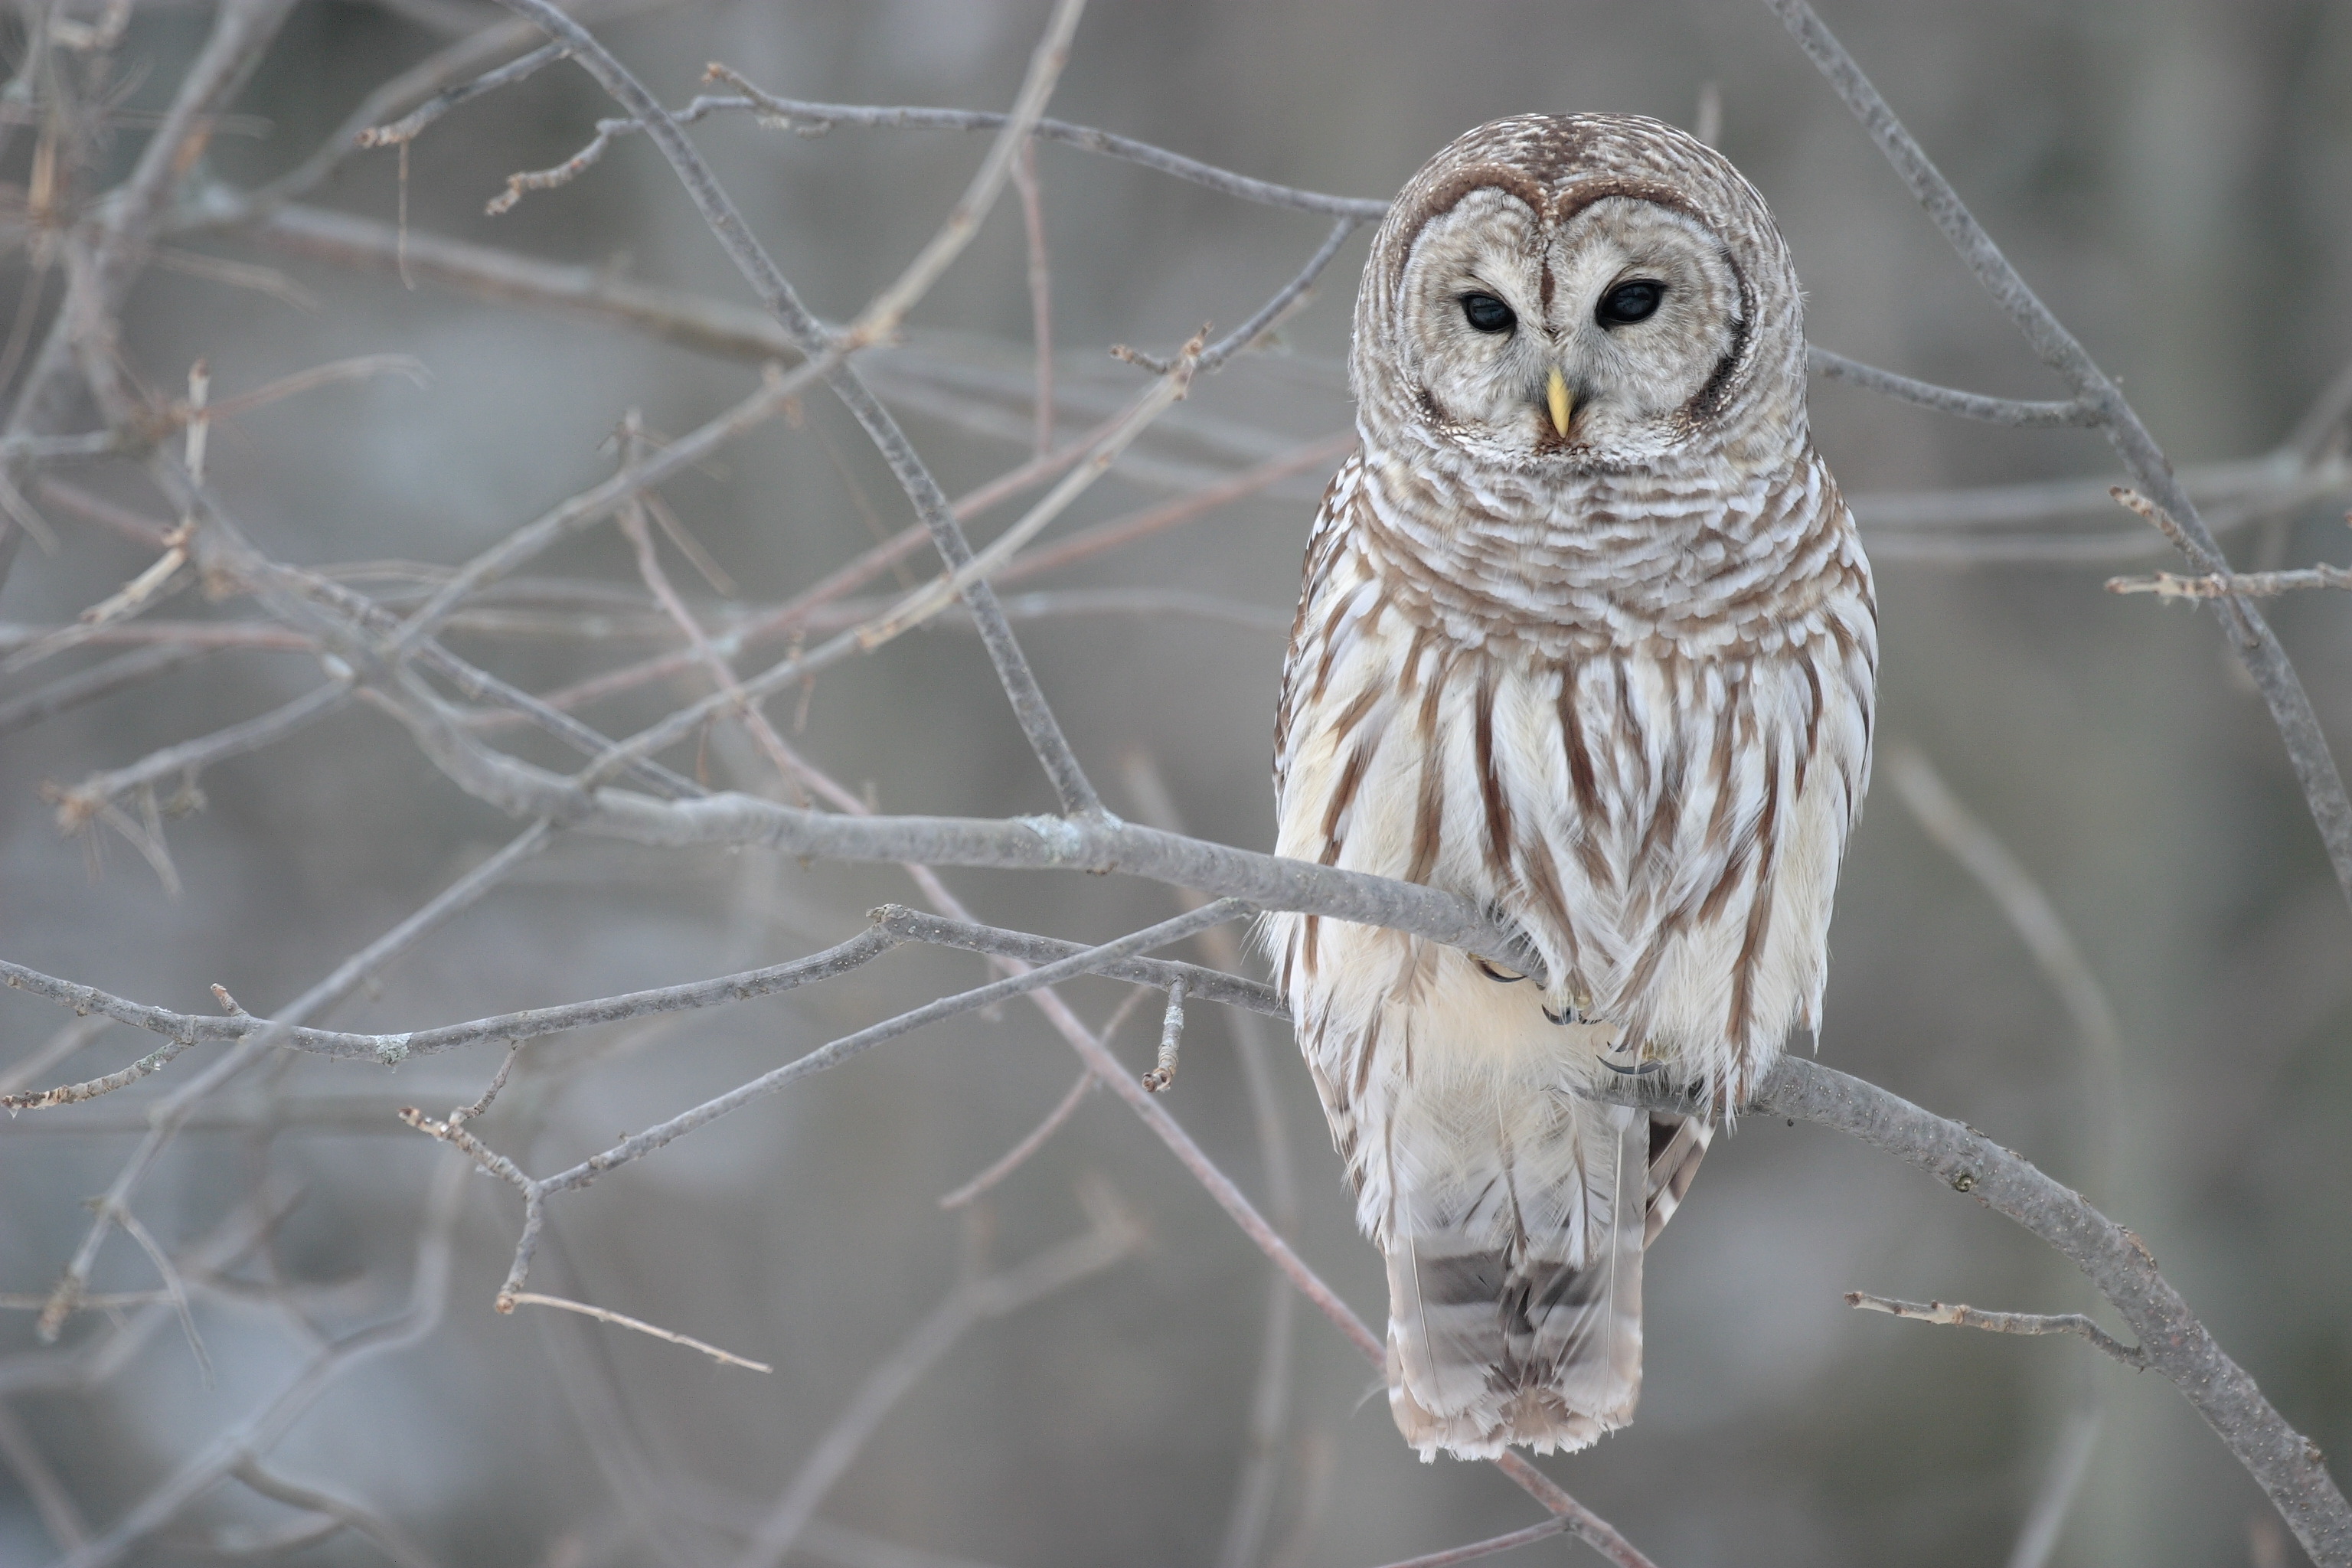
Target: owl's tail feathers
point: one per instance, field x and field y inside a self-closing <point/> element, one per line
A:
<point x="1514" y="1318"/>
<point x="1677" y="1143"/>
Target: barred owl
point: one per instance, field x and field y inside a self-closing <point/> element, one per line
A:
<point x="1587" y="638"/>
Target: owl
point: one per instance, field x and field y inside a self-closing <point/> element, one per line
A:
<point x="1587" y="638"/>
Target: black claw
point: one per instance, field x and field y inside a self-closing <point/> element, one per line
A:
<point x="1500" y="976"/>
<point x="1644" y="1070"/>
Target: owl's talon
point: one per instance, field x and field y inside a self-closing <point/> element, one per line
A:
<point x="1565" y="1016"/>
<point x="1644" y="1070"/>
<point x="1497" y="972"/>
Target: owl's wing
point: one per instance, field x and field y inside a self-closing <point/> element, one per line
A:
<point x="1310" y="638"/>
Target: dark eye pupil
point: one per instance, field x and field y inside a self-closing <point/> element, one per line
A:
<point x="1488" y="313"/>
<point x="1632" y="301"/>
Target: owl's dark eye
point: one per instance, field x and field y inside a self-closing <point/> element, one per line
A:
<point x="1634" y="302"/>
<point x="1488" y="313"/>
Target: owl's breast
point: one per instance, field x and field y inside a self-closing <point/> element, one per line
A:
<point x="1701" y="560"/>
<point x="1665" y="825"/>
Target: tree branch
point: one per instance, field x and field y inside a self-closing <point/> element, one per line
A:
<point x="1963" y="1317"/>
<point x="2258" y="647"/>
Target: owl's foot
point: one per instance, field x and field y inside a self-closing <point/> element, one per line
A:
<point x="1566" y="1015"/>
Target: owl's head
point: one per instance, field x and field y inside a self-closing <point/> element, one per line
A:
<point x="1581" y="293"/>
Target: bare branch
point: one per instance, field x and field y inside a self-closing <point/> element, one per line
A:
<point x="98" y="680"/>
<point x="1018" y="1155"/>
<point x="1291" y="296"/>
<point x="1945" y="400"/>
<point x="173" y="1290"/>
<point x="838" y="1051"/>
<point x="342" y="1510"/>
<point x="2285" y="1463"/>
<point x="1270" y="1398"/>
<point x="808" y="117"/>
<point x="2068" y="1465"/>
<point x="1041" y="290"/>
<point x="61" y="1047"/>
<point x="1036" y="718"/>
<point x="1963" y="1317"/>
<point x="509" y="1301"/>
<point x="1488" y="1548"/>
<point x="880" y="320"/>
<point x="2151" y="471"/>
<point x="90" y="1089"/>
<point x="255" y="1436"/>
<point x="60" y="1515"/>
<point x="972" y="1302"/>
<point x="933" y="598"/>
<point x="164" y="1119"/>
<point x="241" y="30"/>
<point x="2035" y="921"/>
<point x="776" y="389"/>
<point x="2230" y="584"/>
<point x="215" y="208"/>
<point x="1171" y="1034"/>
<point x="78" y="804"/>
<point x="1117" y="532"/>
<point x="411" y="126"/>
<point x="388" y="1049"/>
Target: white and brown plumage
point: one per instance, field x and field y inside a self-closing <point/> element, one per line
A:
<point x="1587" y="638"/>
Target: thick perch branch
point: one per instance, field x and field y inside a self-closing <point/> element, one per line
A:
<point x="2285" y="1463"/>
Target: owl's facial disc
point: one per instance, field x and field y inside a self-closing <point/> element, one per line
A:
<point x="1586" y="342"/>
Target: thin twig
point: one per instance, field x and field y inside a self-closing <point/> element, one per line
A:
<point x="1171" y="1035"/>
<point x="1289" y="298"/>
<point x="1270" y="1397"/>
<point x="1946" y="400"/>
<point x="2035" y="921"/>
<point x="2230" y="584"/>
<point x="2069" y="1463"/>
<point x="173" y="1290"/>
<point x="1013" y="1159"/>
<point x="342" y="1510"/>
<point x="407" y="129"/>
<point x="1041" y="290"/>
<point x="60" y="1515"/>
<point x="970" y="1302"/>
<point x="58" y="1047"/>
<point x="78" y="804"/>
<point x="390" y="1050"/>
<point x="98" y="680"/>
<point x="1964" y="1317"/>
<point x="805" y="115"/>
<point x="933" y="598"/>
<point x="509" y="1301"/>
<point x="1489" y="1547"/>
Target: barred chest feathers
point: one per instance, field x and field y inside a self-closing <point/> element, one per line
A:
<point x="1658" y="793"/>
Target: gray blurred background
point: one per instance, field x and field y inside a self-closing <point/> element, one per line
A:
<point x="2173" y="177"/>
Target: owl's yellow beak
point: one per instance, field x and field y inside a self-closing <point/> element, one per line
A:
<point x="1562" y="406"/>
